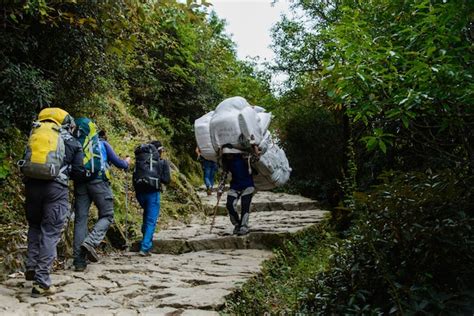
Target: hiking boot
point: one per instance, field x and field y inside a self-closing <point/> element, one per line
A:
<point x="39" y="291"/>
<point x="30" y="275"/>
<point x="90" y="252"/>
<point x="142" y="253"/>
<point x="209" y="191"/>
<point x="80" y="268"/>
<point x="236" y="230"/>
<point x="244" y="230"/>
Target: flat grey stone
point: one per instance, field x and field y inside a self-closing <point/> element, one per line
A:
<point x="8" y="300"/>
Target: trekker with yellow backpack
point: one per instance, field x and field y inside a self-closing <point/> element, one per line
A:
<point x="52" y="156"/>
<point x="97" y="155"/>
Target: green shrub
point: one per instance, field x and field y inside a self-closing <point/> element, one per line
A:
<point x="314" y="144"/>
<point x="24" y="92"/>
<point x="410" y="252"/>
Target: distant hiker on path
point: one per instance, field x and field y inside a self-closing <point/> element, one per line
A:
<point x="98" y="154"/>
<point x="151" y="171"/>
<point x="241" y="186"/>
<point x="209" y="169"/>
<point x="52" y="156"/>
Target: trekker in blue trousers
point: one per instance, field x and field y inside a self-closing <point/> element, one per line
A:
<point x="150" y="172"/>
<point x="150" y="202"/>
<point x="209" y="169"/>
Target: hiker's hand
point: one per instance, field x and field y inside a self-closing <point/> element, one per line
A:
<point x="128" y="160"/>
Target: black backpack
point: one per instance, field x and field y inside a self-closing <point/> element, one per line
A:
<point x="146" y="176"/>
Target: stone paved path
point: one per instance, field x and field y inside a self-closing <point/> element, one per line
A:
<point x="191" y="272"/>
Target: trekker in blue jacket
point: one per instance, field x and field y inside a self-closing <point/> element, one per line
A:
<point x="95" y="190"/>
<point x="151" y="171"/>
<point x="241" y="186"/>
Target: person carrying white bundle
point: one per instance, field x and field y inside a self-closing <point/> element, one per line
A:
<point x="241" y="186"/>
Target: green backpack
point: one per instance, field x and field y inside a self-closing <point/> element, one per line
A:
<point x="95" y="156"/>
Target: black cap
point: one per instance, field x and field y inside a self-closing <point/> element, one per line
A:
<point x="157" y="144"/>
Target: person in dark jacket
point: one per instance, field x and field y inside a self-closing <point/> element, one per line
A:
<point x="241" y="186"/>
<point x="148" y="182"/>
<point x="47" y="208"/>
<point x="95" y="190"/>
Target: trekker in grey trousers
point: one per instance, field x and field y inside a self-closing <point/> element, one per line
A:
<point x="47" y="207"/>
<point x="99" y="192"/>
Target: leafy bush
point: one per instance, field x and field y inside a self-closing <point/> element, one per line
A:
<point x="313" y="140"/>
<point x="410" y="252"/>
<point x="24" y="92"/>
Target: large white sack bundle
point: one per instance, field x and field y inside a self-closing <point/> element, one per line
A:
<point x="264" y="119"/>
<point x="234" y="103"/>
<point x="266" y="142"/>
<point x="235" y="122"/>
<point x="258" y="109"/>
<point x="272" y="168"/>
<point x="202" y="133"/>
<point x="250" y="125"/>
<point x="262" y="183"/>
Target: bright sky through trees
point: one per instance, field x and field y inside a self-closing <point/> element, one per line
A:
<point x="249" y="22"/>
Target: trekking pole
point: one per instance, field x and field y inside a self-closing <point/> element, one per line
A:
<point x="127" y="246"/>
<point x="220" y="191"/>
<point x="66" y="231"/>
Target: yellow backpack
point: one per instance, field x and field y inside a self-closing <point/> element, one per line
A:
<point x="44" y="155"/>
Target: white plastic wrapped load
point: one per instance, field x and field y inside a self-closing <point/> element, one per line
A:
<point x="234" y="103"/>
<point x="236" y="123"/>
<point x="258" y="109"/>
<point x="262" y="184"/>
<point x="249" y="125"/>
<point x="202" y="133"/>
<point x="266" y="142"/>
<point x="272" y="169"/>
<point x="239" y="124"/>
<point x="264" y="119"/>
<point x="225" y="129"/>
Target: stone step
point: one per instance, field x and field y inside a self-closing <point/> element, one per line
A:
<point x="268" y="230"/>
<point x="262" y="201"/>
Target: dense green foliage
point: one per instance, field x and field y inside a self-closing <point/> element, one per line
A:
<point x="163" y="63"/>
<point x="391" y="83"/>
<point x="141" y="70"/>
<point x="411" y="250"/>
<point x="376" y="119"/>
<point x="313" y="139"/>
